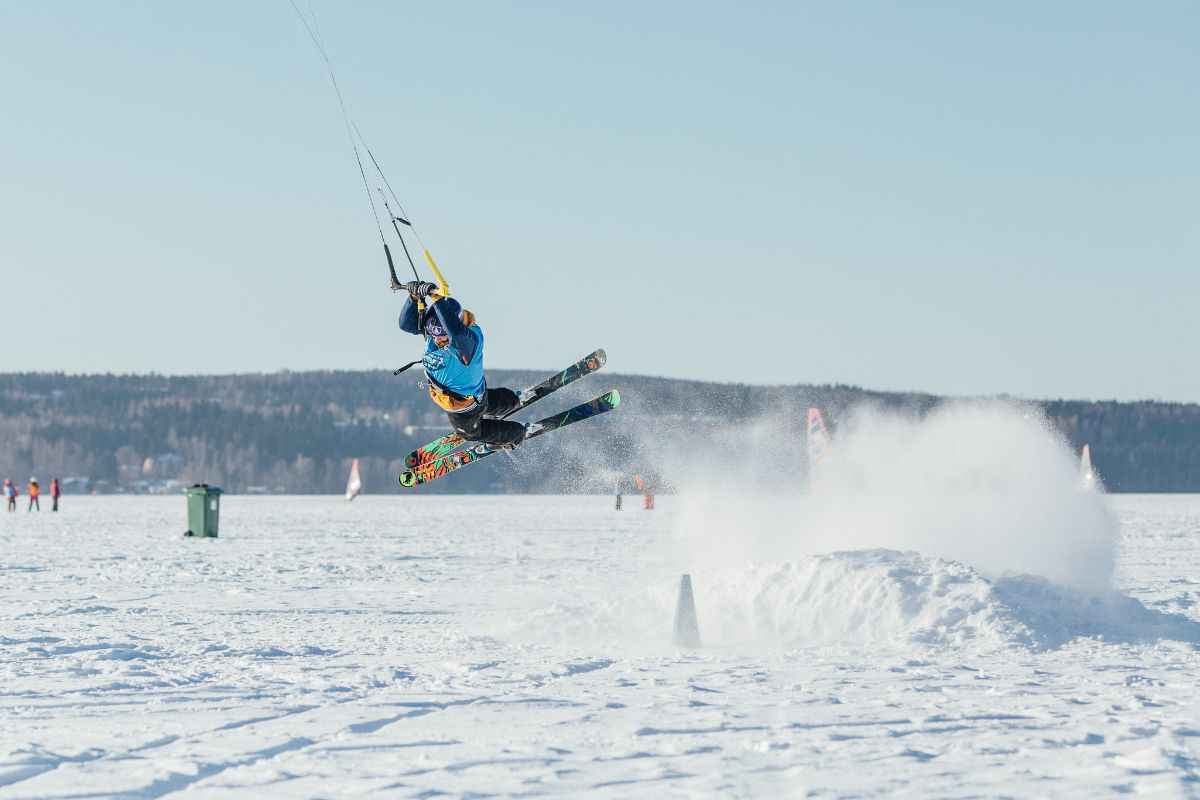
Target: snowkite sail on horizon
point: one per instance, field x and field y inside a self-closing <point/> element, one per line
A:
<point x="820" y="446"/>
<point x="1087" y="475"/>
<point x="354" y="485"/>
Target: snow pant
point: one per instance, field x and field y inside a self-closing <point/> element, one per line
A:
<point x="618" y="502"/>
<point x="33" y="501"/>
<point x="12" y="504"/>
<point x="54" y="502"/>
<point x="480" y="424"/>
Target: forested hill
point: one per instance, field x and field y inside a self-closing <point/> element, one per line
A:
<point x="298" y="431"/>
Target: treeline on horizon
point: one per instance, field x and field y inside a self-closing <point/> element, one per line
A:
<point x="298" y="431"/>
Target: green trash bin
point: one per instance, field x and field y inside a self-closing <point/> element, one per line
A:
<point x="204" y="509"/>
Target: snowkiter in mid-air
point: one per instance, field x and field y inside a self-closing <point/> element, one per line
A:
<point x="453" y="363"/>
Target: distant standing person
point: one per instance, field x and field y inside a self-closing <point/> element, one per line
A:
<point x="54" y="493"/>
<point x="10" y="493"/>
<point x="617" y="492"/>
<point x="34" y="491"/>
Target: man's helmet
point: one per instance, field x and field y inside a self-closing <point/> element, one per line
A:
<point x="433" y="326"/>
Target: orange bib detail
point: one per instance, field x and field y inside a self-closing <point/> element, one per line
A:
<point x="450" y="403"/>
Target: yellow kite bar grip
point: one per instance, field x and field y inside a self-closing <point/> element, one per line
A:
<point x="437" y="272"/>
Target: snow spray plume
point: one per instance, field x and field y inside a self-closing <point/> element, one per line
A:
<point x="987" y="483"/>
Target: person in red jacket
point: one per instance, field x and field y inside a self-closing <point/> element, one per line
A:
<point x="54" y="493"/>
<point x="34" y="491"/>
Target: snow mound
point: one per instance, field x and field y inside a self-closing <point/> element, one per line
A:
<point x="886" y="596"/>
<point x="872" y="597"/>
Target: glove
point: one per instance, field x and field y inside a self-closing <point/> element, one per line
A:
<point x="420" y="288"/>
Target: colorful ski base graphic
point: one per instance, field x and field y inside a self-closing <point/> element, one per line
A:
<point x="460" y="459"/>
<point x="445" y="445"/>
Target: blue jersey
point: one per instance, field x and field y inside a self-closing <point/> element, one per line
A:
<point x="444" y="365"/>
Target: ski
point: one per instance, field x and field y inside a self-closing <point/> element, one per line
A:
<point x="452" y="461"/>
<point x="445" y="445"/>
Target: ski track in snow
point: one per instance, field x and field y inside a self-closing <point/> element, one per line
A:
<point x="520" y="645"/>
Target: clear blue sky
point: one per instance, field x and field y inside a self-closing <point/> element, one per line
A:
<point x="964" y="198"/>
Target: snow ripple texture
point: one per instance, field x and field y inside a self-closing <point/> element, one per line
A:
<point x="424" y="646"/>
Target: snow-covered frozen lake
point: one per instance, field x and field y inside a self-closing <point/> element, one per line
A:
<point x="521" y="645"/>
